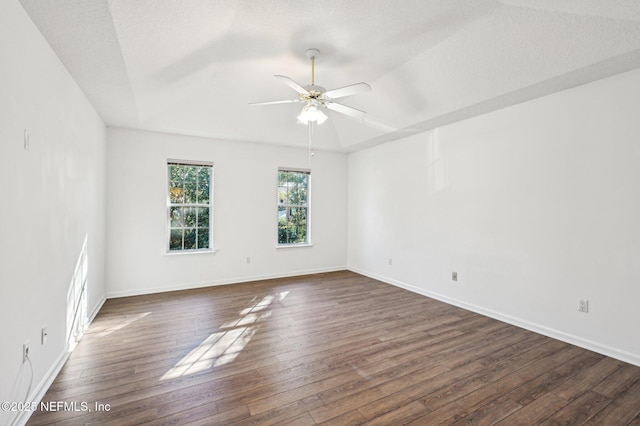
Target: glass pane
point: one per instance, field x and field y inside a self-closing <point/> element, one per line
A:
<point x="204" y="174"/>
<point x="301" y="234"/>
<point x="190" y="216"/>
<point x="282" y="195"/>
<point x="203" y="238"/>
<point x="203" y="193"/>
<point x="282" y="214"/>
<point x="190" y="174"/>
<point x="203" y="217"/>
<point x="204" y="179"/>
<point x="299" y="195"/>
<point x="304" y="180"/>
<point x="189" y="239"/>
<point x="176" y="183"/>
<point x="175" y="239"/>
<point x="176" y="174"/>
<point x="292" y="234"/>
<point x="176" y="217"/>
<point x="283" y="234"/>
<point x="190" y="196"/>
<point x="176" y="193"/>
<point x="297" y="215"/>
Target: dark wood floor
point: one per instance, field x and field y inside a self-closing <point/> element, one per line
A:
<point x="335" y="348"/>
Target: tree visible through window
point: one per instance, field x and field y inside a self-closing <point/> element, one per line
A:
<point x="189" y="205"/>
<point x="293" y="206"/>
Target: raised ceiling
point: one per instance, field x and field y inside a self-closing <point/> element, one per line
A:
<point x="193" y="66"/>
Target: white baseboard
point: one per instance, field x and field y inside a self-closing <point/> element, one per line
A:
<point x="96" y="309"/>
<point x="537" y="328"/>
<point x="224" y="281"/>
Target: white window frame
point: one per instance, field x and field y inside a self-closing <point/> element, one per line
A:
<point x="169" y="205"/>
<point x="306" y="206"/>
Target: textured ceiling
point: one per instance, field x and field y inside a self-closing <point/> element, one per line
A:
<point x="193" y="66"/>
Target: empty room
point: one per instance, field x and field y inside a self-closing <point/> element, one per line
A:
<point x="320" y="212"/>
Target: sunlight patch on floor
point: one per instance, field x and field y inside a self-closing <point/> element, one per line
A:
<point x="224" y="346"/>
<point x="119" y="323"/>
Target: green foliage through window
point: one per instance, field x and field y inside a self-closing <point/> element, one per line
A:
<point x="293" y="207"/>
<point x="189" y="206"/>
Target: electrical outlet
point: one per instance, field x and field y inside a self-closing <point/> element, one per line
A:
<point x="44" y="335"/>
<point x="454" y="276"/>
<point x="390" y="261"/>
<point x="583" y="305"/>
<point x="25" y="351"/>
<point x="247" y="259"/>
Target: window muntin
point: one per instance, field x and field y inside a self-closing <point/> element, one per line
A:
<point x="293" y="206"/>
<point x="189" y="206"/>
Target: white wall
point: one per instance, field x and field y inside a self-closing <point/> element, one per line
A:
<point x="535" y="206"/>
<point x="245" y="213"/>
<point x="52" y="199"/>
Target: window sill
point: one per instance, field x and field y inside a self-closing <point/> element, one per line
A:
<point x="188" y="252"/>
<point x="286" y="246"/>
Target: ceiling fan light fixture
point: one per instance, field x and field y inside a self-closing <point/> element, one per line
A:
<point x="311" y="112"/>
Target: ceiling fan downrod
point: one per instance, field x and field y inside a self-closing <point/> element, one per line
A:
<point x="312" y="54"/>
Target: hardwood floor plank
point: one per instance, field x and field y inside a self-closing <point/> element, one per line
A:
<point x="552" y="378"/>
<point x="635" y="422"/>
<point x="413" y="392"/>
<point x="488" y="385"/>
<point x="292" y="394"/>
<point x="352" y="418"/>
<point x="365" y="393"/>
<point x="238" y="415"/>
<point x="536" y="412"/>
<point x="400" y="416"/>
<point x="460" y="389"/>
<point x="179" y="416"/>
<point x="391" y="369"/>
<point x="622" y="410"/>
<point x="285" y="413"/>
<point x="336" y="348"/>
<point x="579" y="410"/>
<point x="588" y="378"/>
<point x="500" y="378"/>
<point x="490" y="413"/>
<point x="618" y="382"/>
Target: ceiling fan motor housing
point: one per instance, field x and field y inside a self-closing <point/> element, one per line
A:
<point x="314" y="91"/>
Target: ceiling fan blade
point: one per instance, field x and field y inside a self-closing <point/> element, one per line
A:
<point x="353" y="89"/>
<point x="295" y="86"/>
<point x="356" y="113"/>
<point x="275" y="102"/>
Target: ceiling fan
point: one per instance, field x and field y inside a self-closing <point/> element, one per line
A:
<point x="315" y="97"/>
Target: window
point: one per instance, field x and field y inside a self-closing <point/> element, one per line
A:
<point x="189" y="205"/>
<point x="293" y="206"/>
